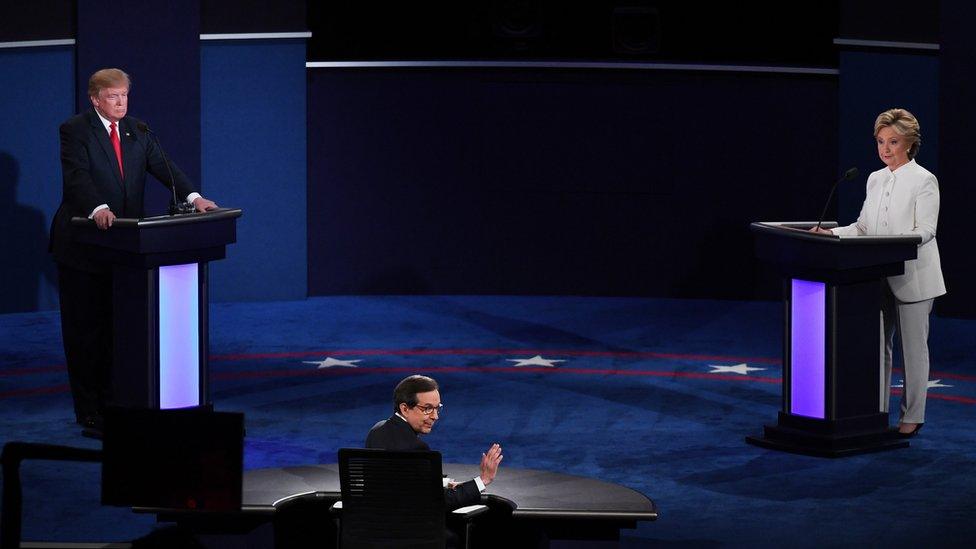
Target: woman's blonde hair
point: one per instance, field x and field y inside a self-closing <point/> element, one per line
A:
<point x="905" y="124"/>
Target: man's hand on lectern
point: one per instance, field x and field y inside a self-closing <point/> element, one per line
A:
<point x="104" y="218"/>
<point x="203" y="205"/>
<point x="489" y="463"/>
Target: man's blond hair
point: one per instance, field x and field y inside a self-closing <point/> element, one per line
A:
<point x="107" y="78"/>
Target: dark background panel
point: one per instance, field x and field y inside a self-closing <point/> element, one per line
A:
<point x="53" y="19"/>
<point x="22" y="20"/>
<point x="715" y="32"/>
<point x="158" y="45"/>
<point x="558" y="182"/>
<point x="251" y="16"/>
<point x="892" y="21"/>
<point x="957" y="103"/>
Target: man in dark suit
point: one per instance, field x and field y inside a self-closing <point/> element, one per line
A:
<point x="104" y="160"/>
<point x="417" y="405"/>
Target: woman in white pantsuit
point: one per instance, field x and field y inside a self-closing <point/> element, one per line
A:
<point x="903" y="198"/>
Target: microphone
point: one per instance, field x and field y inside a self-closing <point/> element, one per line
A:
<point x="175" y="207"/>
<point x="848" y="175"/>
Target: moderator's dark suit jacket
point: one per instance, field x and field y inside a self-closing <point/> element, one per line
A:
<point x="396" y="434"/>
<point x="90" y="177"/>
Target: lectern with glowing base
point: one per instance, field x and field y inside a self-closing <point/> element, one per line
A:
<point x="833" y="383"/>
<point x="160" y="302"/>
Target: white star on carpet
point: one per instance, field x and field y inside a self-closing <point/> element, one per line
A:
<point x="741" y="369"/>
<point x="933" y="383"/>
<point x="535" y="361"/>
<point x="330" y="362"/>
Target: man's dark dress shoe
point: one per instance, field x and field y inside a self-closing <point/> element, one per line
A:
<point x="93" y="427"/>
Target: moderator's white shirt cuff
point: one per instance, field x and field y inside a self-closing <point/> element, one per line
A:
<point x="480" y="483"/>
<point x="102" y="207"/>
<point x="193" y="196"/>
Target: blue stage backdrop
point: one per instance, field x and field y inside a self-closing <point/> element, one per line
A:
<point x="253" y="135"/>
<point x="473" y="180"/>
<point x="516" y="181"/>
<point x="37" y="96"/>
<point x="158" y="44"/>
<point x="872" y="82"/>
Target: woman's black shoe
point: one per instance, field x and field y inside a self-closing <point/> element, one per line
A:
<point x="913" y="432"/>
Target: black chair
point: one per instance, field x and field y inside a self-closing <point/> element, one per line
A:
<point x="298" y="521"/>
<point x="179" y="460"/>
<point x="391" y="499"/>
<point x="14" y="453"/>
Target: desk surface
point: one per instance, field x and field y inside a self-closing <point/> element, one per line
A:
<point x="529" y="492"/>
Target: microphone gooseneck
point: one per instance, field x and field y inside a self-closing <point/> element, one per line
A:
<point x="175" y="207"/>
<point x="848" y="175"/>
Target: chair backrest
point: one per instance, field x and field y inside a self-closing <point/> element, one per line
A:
<point x="11" y="506"/>
<point x="391" y="499"/>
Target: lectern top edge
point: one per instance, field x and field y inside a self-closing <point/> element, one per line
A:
<point x="167" y="220"/>
<point x="798" y="230"/>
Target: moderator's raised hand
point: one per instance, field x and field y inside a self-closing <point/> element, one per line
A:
<point x="489" y="463"/>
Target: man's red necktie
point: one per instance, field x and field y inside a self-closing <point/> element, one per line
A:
<point x="114" y="136"/>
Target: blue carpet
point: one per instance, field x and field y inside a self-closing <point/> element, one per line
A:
<point x="632" y="401"/>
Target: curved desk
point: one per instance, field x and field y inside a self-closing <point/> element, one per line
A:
<point x="565" y="507"/>
<point x="529" y="492"/>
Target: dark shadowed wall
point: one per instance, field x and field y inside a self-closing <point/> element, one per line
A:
<point x="957" y="100"/>
<point x="559" y="181"/>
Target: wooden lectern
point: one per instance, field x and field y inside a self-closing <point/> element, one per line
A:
<point x="832" y="377"/>
<point x="160" y="302"/>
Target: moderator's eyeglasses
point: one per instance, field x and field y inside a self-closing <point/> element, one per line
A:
<point x="428" y="409"/>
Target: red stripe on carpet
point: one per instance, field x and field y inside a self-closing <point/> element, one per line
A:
<point x="937" y="396"/>
<point x="34" y="391"/>
<point x="31" y="370"/>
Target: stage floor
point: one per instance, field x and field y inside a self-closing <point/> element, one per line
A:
<point x="652" y="394"/>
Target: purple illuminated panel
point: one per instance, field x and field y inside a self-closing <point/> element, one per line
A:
<point x="807" y="329"/>
<point x="179" y="336"/>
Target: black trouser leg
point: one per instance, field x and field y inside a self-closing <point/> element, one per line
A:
<point x="86" y="329"/>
